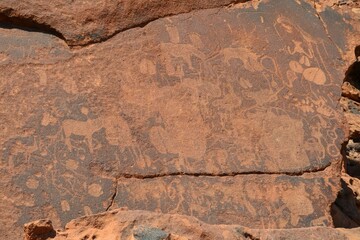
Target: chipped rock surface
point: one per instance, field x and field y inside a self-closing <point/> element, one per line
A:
<point x="226" y="114"/>
<point x="141" y="225"/>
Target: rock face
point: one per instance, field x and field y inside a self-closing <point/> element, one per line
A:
<point x="142" y="225"/>
<point x="84" y="22"/>
<point x="229" y="115"/>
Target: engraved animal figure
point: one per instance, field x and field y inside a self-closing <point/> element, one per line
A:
<point x="117" y="130"/>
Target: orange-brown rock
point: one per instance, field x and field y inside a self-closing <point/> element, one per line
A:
<point x="39" y="230"/>
<point x="84" y="22"/>
<point x="229" y="115"/>
<point x="142" y="225"/>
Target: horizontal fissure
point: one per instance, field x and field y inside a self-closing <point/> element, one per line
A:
<point x="230" y="174"/>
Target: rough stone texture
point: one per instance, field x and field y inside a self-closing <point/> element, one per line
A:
<point x="84" y="22"/>
<point x="142" y="225"/>
<point x="39" y="230"/>
<point x="348" y="201"/>
<point x="229" y="115"/>
<point x="346" y="208"/>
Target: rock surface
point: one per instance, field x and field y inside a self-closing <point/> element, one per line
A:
<point x="229" y="115"/>
<point x="142" y="225"/>
<point x="84" y="22"/>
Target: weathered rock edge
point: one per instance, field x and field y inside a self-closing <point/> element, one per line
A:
<point x="81" y="24"/>
<point x="125" y="224"/>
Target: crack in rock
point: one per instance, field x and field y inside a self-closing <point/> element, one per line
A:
<point x="112" y="200"/>
<point x="230" y="174"/>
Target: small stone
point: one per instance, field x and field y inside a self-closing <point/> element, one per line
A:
<point x="149" y="233"/>
<point x="39" y="230"/>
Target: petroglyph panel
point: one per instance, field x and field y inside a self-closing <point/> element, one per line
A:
<point x="213" y="99"/>
<point x="262" y="201"/>
<point x="215" y="92"/>
<point x="50" y="169"/>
